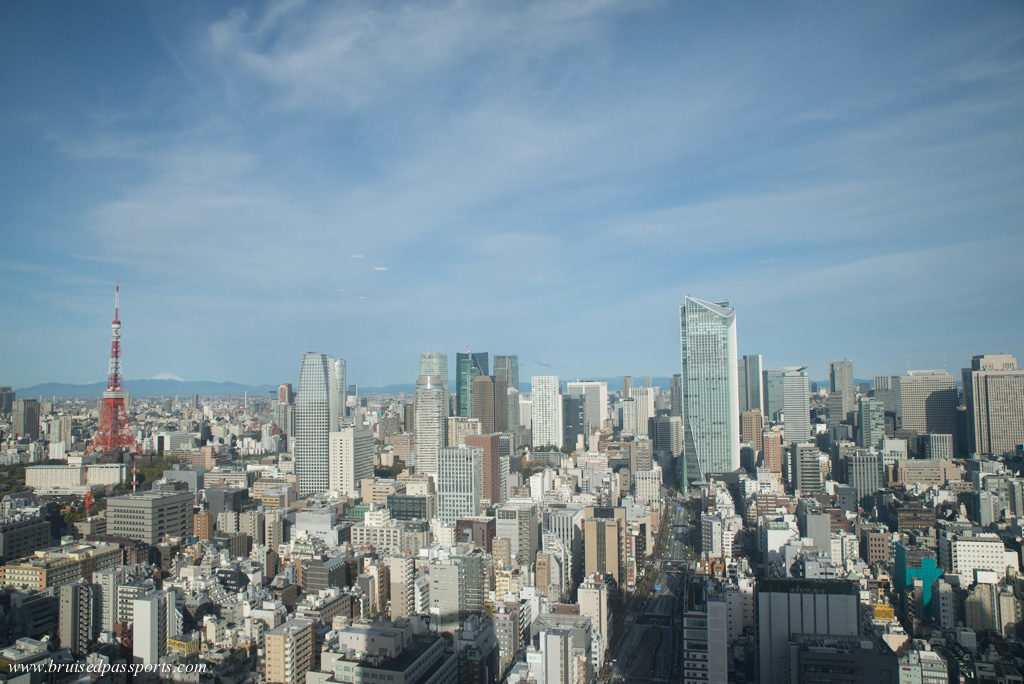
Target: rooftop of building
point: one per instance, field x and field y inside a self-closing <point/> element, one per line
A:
<point x="721" y="308"/>
<point x="806" y="586"/>
<point x="399" y="663"/>
<point x="146" y="496"/>
<point x="293" y="626"/>
<point x="22" y="649"/>
<point x="56" y="553"/>
<point x="834" y="644"/>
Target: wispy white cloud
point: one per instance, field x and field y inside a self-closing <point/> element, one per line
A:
<point x="354" y="54"/>
<point x="573" y="173"/>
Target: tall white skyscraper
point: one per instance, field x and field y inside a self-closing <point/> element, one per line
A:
<point x="350" y="459"/>
<point x="313" y="408"/>
<point x="339" y="391"/>
<point x="546" y="411"/>
<point x="644" y="398"/>
<point x="629" y="416"/>
<point x="525" y="411"/>
<point x="711" y="405"/>
<point x="430" y="422"/>
<point x="595" y="398"/>
<point x="458" y="483"/>
<point x="796" y="404"/>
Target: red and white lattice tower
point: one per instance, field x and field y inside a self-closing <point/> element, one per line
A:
<point x="114" y="438"/>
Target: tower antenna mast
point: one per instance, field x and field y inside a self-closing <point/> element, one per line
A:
<point x="114" y="438"/>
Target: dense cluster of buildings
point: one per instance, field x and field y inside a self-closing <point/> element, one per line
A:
<point x="494" y="531"/>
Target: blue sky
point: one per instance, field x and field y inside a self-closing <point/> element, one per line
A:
<point x="549" y="179"/>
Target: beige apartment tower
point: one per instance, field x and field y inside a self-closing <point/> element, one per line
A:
<point x="289" y="652"/>
<point x="459" y="428"/>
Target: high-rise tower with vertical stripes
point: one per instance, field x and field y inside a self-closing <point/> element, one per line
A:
<point x="313" y="413"/>
<point x="711" y="414"/>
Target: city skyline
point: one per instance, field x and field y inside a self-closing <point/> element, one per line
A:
<point x="662" y="378"/>
<point x="544" y="342"/>
<point x="249" y="179"/>
<point x="340" y="385"/>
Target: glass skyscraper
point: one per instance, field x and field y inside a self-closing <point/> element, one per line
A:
<point x="507" y="367"/>
<point x="872" y="422"/>
<point x="774" y="401"/>
<point x="436" y="364"/>
<point x="676" y="394"/>
<point x="313" y="408"/>
<point x="468" y="367"/>
<point x="711" y="414"/>
<point x="840" y="381"/>
<point x="750" y="374"/>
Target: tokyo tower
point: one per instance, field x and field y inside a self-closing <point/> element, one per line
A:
<point x="114" y="438"/>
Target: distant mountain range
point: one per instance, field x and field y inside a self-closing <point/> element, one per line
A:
<point x="614" y="385"/>
<point x="144" y="388"/>
<point x="206" y="388"/>
<point x="151" y="387"/>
